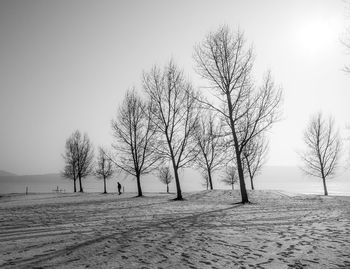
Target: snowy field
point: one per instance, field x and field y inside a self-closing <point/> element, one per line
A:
<point x="207" y="230"/>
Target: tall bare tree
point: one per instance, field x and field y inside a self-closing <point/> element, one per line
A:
<point x="224" y="61"/>
<point x="80" y="162"/>
<point x="230" y="176"/>
<point x="322" y="148"/>
<point x="254" y="157"/>
<point x="209" y="141"/>
<point x="104" y="167"/>
<point x="165" y="176"/>
<point x="175" y="116"/>
<point x="70" y="157"/>
<point x="135" y="137"/>
<point x="85" y="157"/>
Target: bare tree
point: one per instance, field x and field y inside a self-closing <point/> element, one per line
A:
<point x="209" y="142"/>
<point x="84" y="158"/>
<point x="135" y="137"/>
<point x="254" y="157"/>
<point x="175" y="116"/>
<point x="104" y="167"/>
<point x="230" y="176"/>
<point x="322" y="148"/>
<point x="80" y="156"/>
<point x="248" y="111"/>
<point x="165" y="176"/>
<point x="70" y="157"/>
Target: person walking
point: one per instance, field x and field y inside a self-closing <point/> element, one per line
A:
<point x="119" y="188"/>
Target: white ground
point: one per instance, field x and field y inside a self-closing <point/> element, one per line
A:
<point x="207" y="230"/>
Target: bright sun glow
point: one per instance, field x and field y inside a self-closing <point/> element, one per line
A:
<point x="317" y="35"/>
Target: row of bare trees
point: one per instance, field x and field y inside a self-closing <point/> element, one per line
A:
<point x="78" y="158"/>
<point x="158" y="130"/>
<point x="321" y="156"/>
<point x="221" y="127"/>
<point x="223" y="124"/>
<point x="79" y="161"/>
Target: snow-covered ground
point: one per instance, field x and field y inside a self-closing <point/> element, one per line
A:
<point x="207" y="230"/>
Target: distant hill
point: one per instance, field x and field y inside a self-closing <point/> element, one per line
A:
<point x="6" y="174"/>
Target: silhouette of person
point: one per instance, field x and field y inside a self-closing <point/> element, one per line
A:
<point x="119" y="188"/>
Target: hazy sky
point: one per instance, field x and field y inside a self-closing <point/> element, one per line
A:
<point x="65" y="65"/>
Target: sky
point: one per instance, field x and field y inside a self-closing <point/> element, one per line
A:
<point x="66" y="65"/>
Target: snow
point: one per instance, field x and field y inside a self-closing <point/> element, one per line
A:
<point x="210" y="229"/>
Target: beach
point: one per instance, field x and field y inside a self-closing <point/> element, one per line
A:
<point x="209" y="229"/>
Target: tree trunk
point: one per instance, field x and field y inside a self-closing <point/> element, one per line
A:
<point x="251" y="183"/>
<point x="104" y="185"/>
<point x="139" y="190"/>
<point x="233" y="186"/>
<point x="243" y="189"/>
<point x="324" y="186"/>
<point x="176" y="175"/>
<point x="80" y="185"/>
<point x="209" y="178"/>
<point x="75" y="184"/>
<point x="177" y="181"/>
<point x="250" y="176"/>
<point x="244" y="193"/>
<point x="167" y="188"/>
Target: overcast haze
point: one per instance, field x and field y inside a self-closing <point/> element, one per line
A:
<point x="65" y="65"/>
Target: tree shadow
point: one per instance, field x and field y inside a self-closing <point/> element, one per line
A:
<point x="178" y="199"/>
<point x="246" y="203"/>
